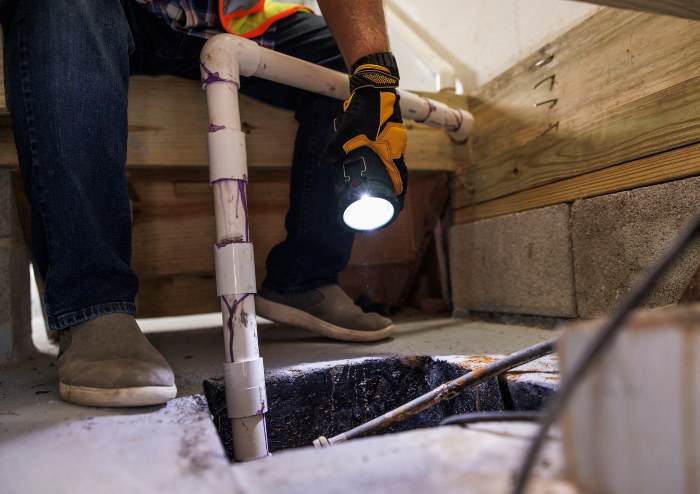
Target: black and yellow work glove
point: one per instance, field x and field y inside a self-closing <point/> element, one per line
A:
<point x="372" y="118"/>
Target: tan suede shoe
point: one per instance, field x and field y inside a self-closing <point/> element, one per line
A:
<point x="108" y="362"/>
<point x="327" y="311"/>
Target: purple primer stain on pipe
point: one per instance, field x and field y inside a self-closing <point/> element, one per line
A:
<point x="215" y="128"/>
<point x="224" y="243"/>
<point x="460" y="121"/>
<point x="267" y="447"/>
<point x="229" y="324"/>
<point x="431" y="109"/>
<point x="211" y="76"/>
<point x="244" y="203"/>
<point x="241" y="198"/>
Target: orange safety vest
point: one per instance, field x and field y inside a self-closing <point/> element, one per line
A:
<point x="251" y="18"/>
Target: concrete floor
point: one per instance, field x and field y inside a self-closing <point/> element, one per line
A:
<point x="46" y="444"/>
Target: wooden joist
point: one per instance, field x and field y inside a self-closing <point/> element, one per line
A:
<point x="618" y="87"/>
<point x="671" y="165"/>
<point x="690" y="9"/>
<point x="168" y="128"/>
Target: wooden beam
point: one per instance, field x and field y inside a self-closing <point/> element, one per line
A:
<point x="173" y="221"/>
<point x="618" y="87"/>
<point x="156" y="125"/>
<point x="173" y="234"/>
<point x="664" y="167"/>
<point x="689" y="9"/>
<point x="168" y="128"/>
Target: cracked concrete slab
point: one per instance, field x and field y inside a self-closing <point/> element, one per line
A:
<point x="480" y="459"/>
<point x="46" y="444"/>
<point x="49" y="445"/>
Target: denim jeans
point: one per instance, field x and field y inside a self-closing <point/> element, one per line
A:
<point x="67" y="66"/>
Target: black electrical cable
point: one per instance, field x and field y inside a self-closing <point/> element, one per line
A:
<point x="479" y="417"/>
<point x="603" y="340"/>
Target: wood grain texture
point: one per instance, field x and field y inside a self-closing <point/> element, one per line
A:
<point x="174" y="233"/>
<point x="664" y="167"/>
<point x="168" y="128"/>
<point x="689" y="9"/>
<point x="618" y="87"/>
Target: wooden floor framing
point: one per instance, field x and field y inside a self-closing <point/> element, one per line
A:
<point x="613" y="104"/>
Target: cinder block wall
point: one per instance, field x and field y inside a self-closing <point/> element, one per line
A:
<point x="574" y="260"/>
<point x="567" y="134"/>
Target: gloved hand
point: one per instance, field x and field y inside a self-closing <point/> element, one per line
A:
<point x="372" y="118"/>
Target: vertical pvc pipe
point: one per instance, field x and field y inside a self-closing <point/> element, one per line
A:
<point x="224" y="59"/>
<point x="235" y="267"/>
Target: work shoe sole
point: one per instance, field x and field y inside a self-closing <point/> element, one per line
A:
<point x="290" y="316"/>
<point x="107" y="361"/>
<point x="137" y="396"/>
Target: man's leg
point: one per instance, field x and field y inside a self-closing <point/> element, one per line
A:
<point x="301" y="287"/>
<point x="67" y="69"/>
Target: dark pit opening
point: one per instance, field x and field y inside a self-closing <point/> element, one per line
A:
<point x="330" y="398"/>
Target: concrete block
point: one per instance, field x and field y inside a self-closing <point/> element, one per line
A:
<point x="519" y="263"/>
<point x="15" y="304"/>
<point x="617" y="236"/>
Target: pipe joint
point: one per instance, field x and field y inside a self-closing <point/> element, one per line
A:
<point x="463" y="127"/>
<point x="246" y="380"/>
<point x="227" y="154"/>
<point x="226" y="57"/>
<point x="235" y="268"/>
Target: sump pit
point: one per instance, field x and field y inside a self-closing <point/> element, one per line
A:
<point x="330" y="398"/>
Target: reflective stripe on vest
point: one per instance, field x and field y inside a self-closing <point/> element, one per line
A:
<point x="251" y="18"/>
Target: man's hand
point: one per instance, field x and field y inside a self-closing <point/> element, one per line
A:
<point x="372" y="118"/>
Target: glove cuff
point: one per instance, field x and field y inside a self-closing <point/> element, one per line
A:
<point x="384" y="59"/>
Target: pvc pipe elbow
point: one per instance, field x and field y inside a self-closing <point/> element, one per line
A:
<point x="465" y="124"/>
<point x="226" y="57"/>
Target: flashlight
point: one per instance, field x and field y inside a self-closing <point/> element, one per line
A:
<point x="364" y="192"/>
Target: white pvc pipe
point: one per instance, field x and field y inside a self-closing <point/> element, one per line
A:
<point x="224" y="59"/>
<point x="235" y="267"/>
<point x="287" y="70"/>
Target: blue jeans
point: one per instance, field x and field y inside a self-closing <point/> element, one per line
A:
<point x="67" y="66"/>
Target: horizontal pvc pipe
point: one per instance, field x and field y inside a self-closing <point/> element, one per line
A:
<point x="277" y="67"/>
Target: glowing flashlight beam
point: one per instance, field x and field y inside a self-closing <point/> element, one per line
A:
<point x="368" y="213"/>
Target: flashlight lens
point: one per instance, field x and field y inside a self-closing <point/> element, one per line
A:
<point x="368" y="213"/>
